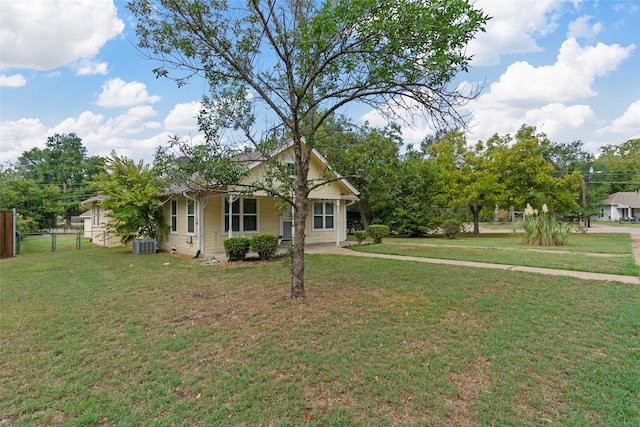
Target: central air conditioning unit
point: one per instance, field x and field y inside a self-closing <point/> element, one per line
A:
<point x="144" y="246"/>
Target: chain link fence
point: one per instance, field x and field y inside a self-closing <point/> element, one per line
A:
<point x="50" y="242"/>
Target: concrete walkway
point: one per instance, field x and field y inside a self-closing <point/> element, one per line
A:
<point x="634" y="232"/>
<point x="635" y="243"/>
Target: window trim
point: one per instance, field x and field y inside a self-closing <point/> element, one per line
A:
<point x="324" y="216"/>
<point x="173" y="214"/>
<point x="241" y="215"/>
<point x="188" y="215"/>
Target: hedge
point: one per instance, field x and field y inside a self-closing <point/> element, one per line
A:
<point x="237" y="247"/>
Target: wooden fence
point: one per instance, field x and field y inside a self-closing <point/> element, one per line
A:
<point x="7" y="234"/>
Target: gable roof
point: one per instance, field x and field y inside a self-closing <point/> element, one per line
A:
<point x="97" y="198"/>
<point x="256" y="158"/>
<point x="630" y="199"/>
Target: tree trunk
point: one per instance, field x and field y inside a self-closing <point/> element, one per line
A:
<point x="363" y="216"/>
<point x="475" y="210"/>
<point x="300" y="219"/>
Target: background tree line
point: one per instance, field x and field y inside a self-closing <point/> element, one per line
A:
<point x="415" y="190"/>
<point x="47" y="185"/>
<point x="410" y="189"/>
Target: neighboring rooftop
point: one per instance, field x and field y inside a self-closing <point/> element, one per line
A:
<point x="630" y="199"/>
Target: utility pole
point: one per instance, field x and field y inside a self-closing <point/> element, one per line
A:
<point x="589" y="172"/>
<point x="584" y="201"/>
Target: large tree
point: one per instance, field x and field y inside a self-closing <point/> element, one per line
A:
<point x="395" y="189"/>
<point x="467" y="175"/>
<point x="618" y="166"/>
<point x="63" y="163"/>
<point x="298" y="62"/>
<point x="509" y="171"/>
<point x="370" y="159"/>
<point x="39" y="204"/>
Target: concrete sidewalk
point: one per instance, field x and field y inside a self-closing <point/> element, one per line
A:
<point x="326" y="249"/>
<point x="331" y="248"/>
<point x="634" y="232"/>
<point x="635" y="244"/>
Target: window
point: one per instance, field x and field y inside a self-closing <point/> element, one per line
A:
<point x="174" y="216"/>
<point x="250" y="215"/>
<point x="244" y="215"/>
<point x="323" y="216"/>
<point x="290" y="167"/>
<point x="191" y="216"/>
<point x="96" y="215"/>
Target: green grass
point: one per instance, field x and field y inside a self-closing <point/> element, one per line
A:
<point x="602" y="253"/>
<point x="613" y="243"/>
<point x="105" y="337"/>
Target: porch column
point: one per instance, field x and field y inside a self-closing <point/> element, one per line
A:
<point x="337" y="224"/>
<point x="293" y="221"/>
<point x="231" y="200"/>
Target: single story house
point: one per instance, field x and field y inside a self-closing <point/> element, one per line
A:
<point x="201" y="221"/>
<point x="95" y="224"/>
<point x="619" y="205"/>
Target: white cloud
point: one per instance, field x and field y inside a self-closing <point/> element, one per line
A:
<point x="581" y="28"/>
<point x="570" y="78"/>
<point x="560" y="121"/>
<point x="514" y="27"/>
<point x="100" y="135"/>
<point x="19" y="136"/>
<point x="118" y="93"/>
<point x="183" y="117"/>
<point x="126" y="133"/>
<point x="627" y="7"/>
<point x="544" y="96"/>
<point x="45" y="34"/>
<point x="629" y="122"/>
<point x="86" y="67"/>
<point x="14" y="80"/>
<point x="540" y="96"/>
<point x="86" y="122"/>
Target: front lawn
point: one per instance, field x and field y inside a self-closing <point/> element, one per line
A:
<point x="601" y="253"/>
<point x="105" y="337"/>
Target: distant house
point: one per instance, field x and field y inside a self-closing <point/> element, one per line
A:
<point x="619" y="205"/>
<point x="201" y="221"/>
<point x="95" y="224"/>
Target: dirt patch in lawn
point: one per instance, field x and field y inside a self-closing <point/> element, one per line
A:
<point x="470" y="384"/>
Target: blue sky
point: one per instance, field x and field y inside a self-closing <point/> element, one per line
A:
<point x="569" y="67"/>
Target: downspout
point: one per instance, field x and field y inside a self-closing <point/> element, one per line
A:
<point x="200" y="227"/>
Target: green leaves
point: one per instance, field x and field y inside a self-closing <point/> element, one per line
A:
<point x="39" y="203"/>
<point x="132" y="192"/>
<point x="198" y="167"/>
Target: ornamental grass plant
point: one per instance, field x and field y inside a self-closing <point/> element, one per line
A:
<point x="541" y="229"/>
